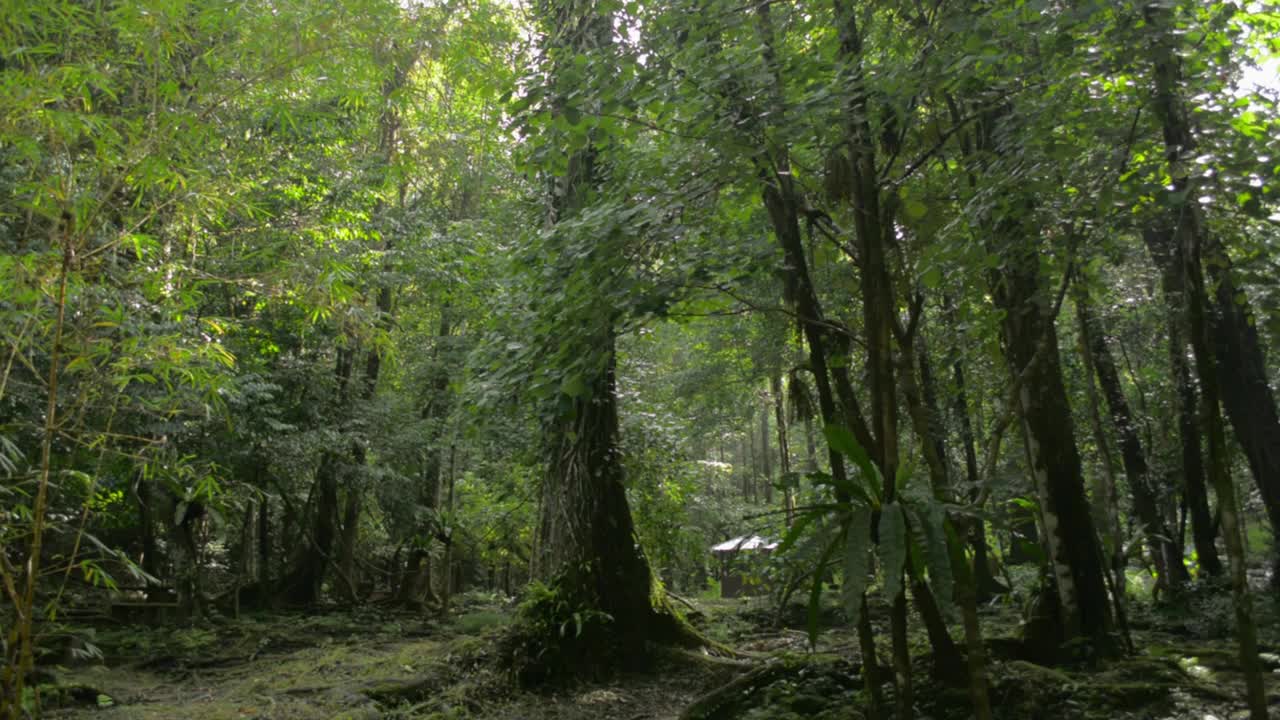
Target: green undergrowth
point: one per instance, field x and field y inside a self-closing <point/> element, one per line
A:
<point x="374" y="663"/>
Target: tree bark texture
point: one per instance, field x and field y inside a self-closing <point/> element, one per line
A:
<point x="1070" y="538"/>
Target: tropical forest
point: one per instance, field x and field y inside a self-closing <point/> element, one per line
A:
<point x="639" y="359"/>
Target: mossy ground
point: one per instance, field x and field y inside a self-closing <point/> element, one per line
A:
<point x="371" y="663"/>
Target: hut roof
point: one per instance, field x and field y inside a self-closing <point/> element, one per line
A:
<point x="745" y="542"/>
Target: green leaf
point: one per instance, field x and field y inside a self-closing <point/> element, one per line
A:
<point x="842" y="441"/>
<point x="796" y="531"/>
<point x="893" y="548"/>
<point x="932" y="529"/>
<point x="574" y="386"/>
<point x="815" y="593"/>
<point x="914" y="208"/>
<point x="857" y="563"/>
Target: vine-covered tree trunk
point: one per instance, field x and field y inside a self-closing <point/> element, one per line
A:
<point x="586" y="549"/>
<point x="586" y="540"/>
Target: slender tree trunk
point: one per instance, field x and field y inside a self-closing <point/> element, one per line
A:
<point x="446" y="585"/>
<point x="347" y="571"/>
<point x="1246" y="390"/>
<point x="1160" y="538"/>
<point x="783" y="206"/>
<point x="784" y="447"/>
<point x="150" y="560"/>
<point x="1069" y="537"/>
<point x="186" y="564"/>
<point x="263" y="576"/>
<point x="766" y="461"/>
<point x="1106" y="500"/>
<point x="1196" y="493"/>
<point x="20" y="646"/>
<point x="986" y="585"/>
<point x="921" y="398"/>
<point x="810" y="446"/>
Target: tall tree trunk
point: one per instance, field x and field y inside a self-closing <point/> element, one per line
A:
<point x="873" y="228"/>
<point x="263" y="576"/>
<point x="784" y="446"/>
<point x="1106" y="499"/>
<point x="766" y="460"/>
<point x="446" y="585"/>
<point x="783" y="205"/>
<point x="349" y="581"/>
<point x="311" y="560"/>
<point x="586" y="546"/>
<point x="185" y="555"/>
<point x="986" y="585"/>
<point x="1146" y="503"/>
<point x="1032" y="353"/>
<point x="921" y="399"/>
<point x="1219" y="462"/>
<point x="1069" y="535"/>
<point x="147" y="525"/>
<point x="1240" y="361"/>
<point x="415" y="588"/>
<point x="1196" y="494"/>
<point x="1246" y="389"/>
<point x="1184" y="229"/>
<point x="1168" y="259"/>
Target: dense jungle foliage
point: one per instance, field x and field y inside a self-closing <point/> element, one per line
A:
<point x="771" y="359"/>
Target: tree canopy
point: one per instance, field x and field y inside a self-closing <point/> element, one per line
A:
<point x="307" y="302"/>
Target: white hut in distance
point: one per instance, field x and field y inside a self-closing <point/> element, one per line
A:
<point x="741" y="564"/>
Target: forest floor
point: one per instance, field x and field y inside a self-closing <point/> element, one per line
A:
<point x="374" y="663"/>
